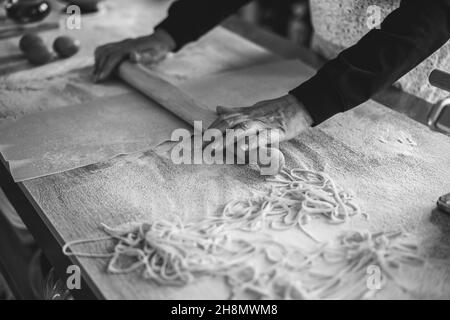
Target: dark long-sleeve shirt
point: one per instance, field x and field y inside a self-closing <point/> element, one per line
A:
<point x="406" y="37"/>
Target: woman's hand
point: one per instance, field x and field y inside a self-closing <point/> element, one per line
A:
<point x="148" y="49"/>
<point x="284" y="118"/>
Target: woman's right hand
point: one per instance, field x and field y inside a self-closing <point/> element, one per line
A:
<point x="147" y="49"/>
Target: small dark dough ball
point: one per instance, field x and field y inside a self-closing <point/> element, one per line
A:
<point x="29" y="41"/>
<point x="66" y="46"/>
<point x="39" y="55"/>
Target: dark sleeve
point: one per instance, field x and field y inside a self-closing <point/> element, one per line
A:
<point x="406" y="37"/>
<point x="188" y="20"/>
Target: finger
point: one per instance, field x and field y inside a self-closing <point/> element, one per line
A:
<point x="223" y="110"/>
<point x="248" y="131"/>
<point x="257" y="141"/>
<point x="99" y="67"/>
<point x="223" y="124"/>
<point x="244" y="135"/>
<point x="158" y="55"/>
<point x="248" y="128"/>
<point x="135" y="57"/>
<point x="146" y="57"/>
<point x="141" y="57"/>
<point x="265" y="138"/>
<point x="102" y="51"/>
<point x="109" y="66"/>
<point x="270" y="161"/>
<point x="227" y="110"/>
<point x="235" y="118"/>
<point x="101" y="55"/>
<point x="97" y="57"/>
<point x="232" y="118"/>
<point x="240" y="132"/>
<point x="99" y="50"/>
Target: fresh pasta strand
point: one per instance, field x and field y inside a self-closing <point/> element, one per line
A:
<point x="356" y="251"/>
<point x="170" y="253"/>
<point x="70" y="244"/>
<point x="295" y="198"/>
<point x="174" y="253"/>
<point x="349" y="258"/>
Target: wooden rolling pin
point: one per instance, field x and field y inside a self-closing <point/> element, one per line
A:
<point x="180" y="103"/>
<point x="166" y="94"/>
<point x="440" y="79"/>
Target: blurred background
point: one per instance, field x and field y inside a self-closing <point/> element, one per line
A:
<point x="288" y="18"/>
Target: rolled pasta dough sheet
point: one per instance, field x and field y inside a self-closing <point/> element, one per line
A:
<point x="55" y="141"/>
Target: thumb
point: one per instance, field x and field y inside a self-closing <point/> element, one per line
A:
<point x="224" y="110"/>
<point x="135" y="57"/>
<point x="227" y="110"/>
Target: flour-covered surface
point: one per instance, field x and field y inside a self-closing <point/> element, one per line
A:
<point x="56" y="140"/>
<point x="53" y="141"/>
<point x="211" y="55"/>
<point x="396" y="185"/>
<point x="64" y="82"/>
<point x="53" y="118"/>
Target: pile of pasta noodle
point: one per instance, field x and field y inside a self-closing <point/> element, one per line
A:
<point x="169" y="253"/>
<point x="176" y="252"/>
<point x="357" y="266"/>
<point x="294" y="199"/>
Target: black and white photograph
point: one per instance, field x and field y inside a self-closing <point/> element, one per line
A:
<point x="218" y="157"/>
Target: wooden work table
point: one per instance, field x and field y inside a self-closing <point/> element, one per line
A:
<point x="72" y="204"/>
